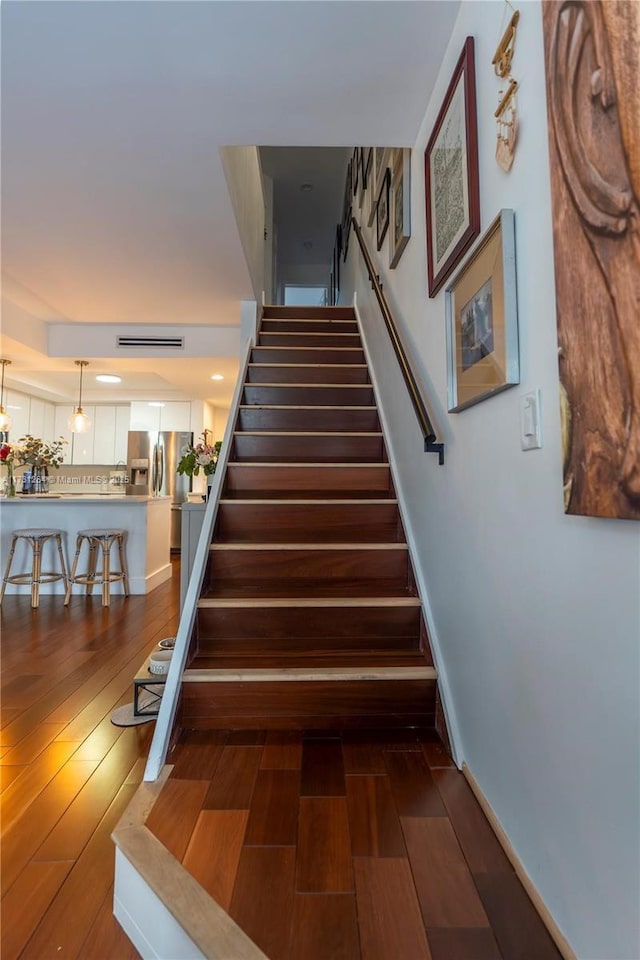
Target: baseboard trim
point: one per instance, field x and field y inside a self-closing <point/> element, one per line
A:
<point x="552" y="927"/>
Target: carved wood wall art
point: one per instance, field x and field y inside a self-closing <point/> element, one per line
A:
<point x="592" y="52"/>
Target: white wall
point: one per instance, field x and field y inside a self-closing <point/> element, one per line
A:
<point x="536" y="614"/>
<point x="244" y="181"/>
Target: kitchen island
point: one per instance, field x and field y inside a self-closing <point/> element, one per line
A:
<point x="146" y="520"/>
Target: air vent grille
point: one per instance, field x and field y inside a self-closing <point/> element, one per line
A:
<point x="150" y="343"/>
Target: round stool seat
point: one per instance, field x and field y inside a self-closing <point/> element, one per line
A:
<point x="99" y="540"/>
<point x="38" y="533"/>
<point x="98" y="534"/>
<point x="37" y="538"/>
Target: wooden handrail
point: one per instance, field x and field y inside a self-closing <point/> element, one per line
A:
<point x="431" y="444"/>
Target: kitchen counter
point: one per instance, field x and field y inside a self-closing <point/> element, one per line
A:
<point x="103" y="498"/>
<point x="146" y="520"/>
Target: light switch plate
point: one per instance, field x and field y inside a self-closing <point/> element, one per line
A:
<point x="530" y="432"/>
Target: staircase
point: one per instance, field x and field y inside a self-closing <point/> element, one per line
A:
<point x="309" y="615"/>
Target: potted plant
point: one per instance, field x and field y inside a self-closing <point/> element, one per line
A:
<point x="38" y="456"/>
<point x="201" y="456"/>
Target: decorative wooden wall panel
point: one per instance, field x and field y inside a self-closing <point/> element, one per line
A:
<point x="592" y="52"/>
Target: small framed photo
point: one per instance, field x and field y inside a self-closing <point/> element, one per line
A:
<point x="368" y="162"/>
<point x="400" y="205"/>
<point x="380" y="161"/>
<point x="382" y="210"/>
<point x="363" y="176"/>
<point x="482" y="320"/>
<point x="346" y="233"/>
<point x="451" y="175"/>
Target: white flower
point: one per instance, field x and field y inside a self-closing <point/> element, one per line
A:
<point x="203" y="459"/>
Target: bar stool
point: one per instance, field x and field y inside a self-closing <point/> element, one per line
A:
<point x="37" y="537"/>
<point x="99" y="539"/>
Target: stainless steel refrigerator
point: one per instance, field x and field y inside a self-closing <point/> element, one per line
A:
<point x="152" y="459"/>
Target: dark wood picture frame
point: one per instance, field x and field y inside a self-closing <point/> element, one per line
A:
<point x="400" y="204"/>
<point x="452" y="189"/>
<point x="382" y="209"/>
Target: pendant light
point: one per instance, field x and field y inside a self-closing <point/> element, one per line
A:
<point x="5" y="419"/>
<point x="79" y="422"/>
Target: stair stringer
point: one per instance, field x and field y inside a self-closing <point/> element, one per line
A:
<point x="173" y="686"/>
<point x="438" y="659"/>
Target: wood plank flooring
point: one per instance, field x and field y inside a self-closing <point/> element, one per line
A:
<point x="352" y="846"/>
<point x="67" y="772"/>
<point x="359" y="845"/>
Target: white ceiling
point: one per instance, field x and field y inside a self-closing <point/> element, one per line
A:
<point x="114" y="203"/>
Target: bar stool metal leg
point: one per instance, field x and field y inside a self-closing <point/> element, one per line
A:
<point x="106" y="571"/>
<point x="123" y="566"/>
<point x="36" y="546"/>
<point x="74" y="568"/>
<point x="93" y="563"/>
<point x="14" y="540"/>
<point x="63" y="566"/>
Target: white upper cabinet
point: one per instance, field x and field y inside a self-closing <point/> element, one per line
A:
<point x="175" y="416"/>
<point x="123" y="419"/>
<point x="18" y="407"/>
<point x="144" y="417"/>
<point x="61" y="427"/>
<point x="83" y="442"/>
<point x="104" y="435"/>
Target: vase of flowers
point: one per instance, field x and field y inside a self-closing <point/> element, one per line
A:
<point x="200" y="456"/>
<point x="6" y="457"/>
<point x="38" y="457"/>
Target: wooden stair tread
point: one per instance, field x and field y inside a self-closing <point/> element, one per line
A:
<point x="343" y="434"/>
<point x="309" y="675"/>
<point x="341" y="464"/>
<point x="309" y="546"/>
<point x="365" y="501"/>
<point x="302" y="601"/>
<point x="341" y="366"/>
<point x="309" y="406"/>
<point x="311" y="660"/>
<point x="302" y="588"/>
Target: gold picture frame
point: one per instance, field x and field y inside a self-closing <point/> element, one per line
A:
<point x="482" y="320"/>
<point x="400" y="205"/>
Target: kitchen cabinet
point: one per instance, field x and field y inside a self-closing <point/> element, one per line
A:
<point x="18" y="407"/>
<point x="174" y="415"/>
<point x="104" y="435"/>
<point x="144" y="417"/>
<point x="83" y="442"/>
<point x="61" y="428"/>
<point x="123" y="419"/>
<point x="106" y="442"/>
<point x="48" y="429"/>
<point x="36" y="418"/>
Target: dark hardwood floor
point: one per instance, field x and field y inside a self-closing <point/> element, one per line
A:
<point x="355" y="846"/>
<point x="67" y="771"/>
<point x="349" y="846"/>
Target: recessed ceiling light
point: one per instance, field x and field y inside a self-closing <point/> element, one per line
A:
<point x="306" y="187"/>
<point x="108" y="378"/>
<point x="217" y="376"/>
<point x="155" y="403"/>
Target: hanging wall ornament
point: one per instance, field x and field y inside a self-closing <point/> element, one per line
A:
<point x="507" y="133"/>
<point x="506" y="114"/>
